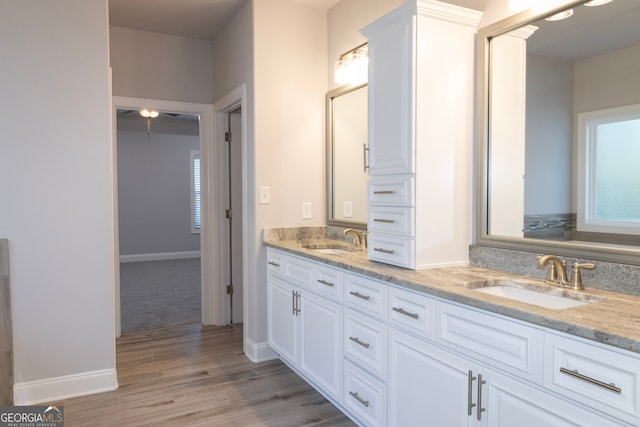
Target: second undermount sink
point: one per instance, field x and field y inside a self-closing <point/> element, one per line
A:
<point x="531" y="293"/>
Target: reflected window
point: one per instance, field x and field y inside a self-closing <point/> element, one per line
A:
<point x="609" y="147"/>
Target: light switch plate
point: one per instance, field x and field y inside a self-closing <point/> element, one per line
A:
<point x="347" y="209"/>
<point x="265" y="195"/>
<point x="306" y="210"/>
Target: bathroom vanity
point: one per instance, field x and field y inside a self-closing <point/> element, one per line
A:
<point x="390" y="346"/>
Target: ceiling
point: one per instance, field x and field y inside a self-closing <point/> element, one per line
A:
<point x="201" y="19"/>
<point x="198" y="19"/>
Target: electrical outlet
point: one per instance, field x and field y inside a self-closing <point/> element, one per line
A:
<point x="265" y="195"/>
<point x="347" y="209"/>
<point x="306" y="210"/>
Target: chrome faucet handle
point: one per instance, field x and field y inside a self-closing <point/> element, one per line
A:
<point x="576" y="278"/>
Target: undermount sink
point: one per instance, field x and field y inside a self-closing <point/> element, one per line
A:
<point x="531" y="293"/>
<point x="329" y="248"/>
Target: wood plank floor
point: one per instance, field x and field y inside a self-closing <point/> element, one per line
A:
<point x="195" y="375"/>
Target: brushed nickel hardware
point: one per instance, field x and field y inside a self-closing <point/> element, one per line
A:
<point x="298" y="303"/>
<point x="293" y="302"/>
<point x="357" y="341"/>
<point x="384" y="192"/>
<point x="365" y="152"/>
<point x="386" y="221"/>
<point x="230" y="289"/>
<point x="470" y="404"/>
<point x="359" y="295"/>
<point x="406" y="313"/>
<point x="227" y="213"/>
<point x="576" y="278"/>
<point x="576" y="374"/>
<point x="385" y="251"/>
<point x="359" y="399"/>
<point x="359" y="237"/>
<point x="275" y="264"/>
<point x="557" y="273"/>
<point x="480" y="409"/>
<point x="324" y="282"/>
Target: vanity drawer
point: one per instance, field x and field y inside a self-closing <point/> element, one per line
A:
<point x="411" y="312"/>
<point x="366" y="295"/>
<point x="297" y="271"/>
<point x="328" y="282"/>
<point x="365" y="343"/>
<point x="507" y="345"/>
<point x="394" y="220"/>
<point x="364" y="396"/>
<point x="391" y="250"/>
<point x="599" y="377"/>
<point x="392" y="190"/>
<point x="274" y="262"/>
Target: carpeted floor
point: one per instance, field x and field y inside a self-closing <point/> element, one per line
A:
<point x="154" y="294"/>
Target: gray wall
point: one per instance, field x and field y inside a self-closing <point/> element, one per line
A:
<point x="154" y="185"/>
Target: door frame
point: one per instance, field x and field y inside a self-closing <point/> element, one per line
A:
<point x="210" y="237"/>
<point x="221" y="108"/>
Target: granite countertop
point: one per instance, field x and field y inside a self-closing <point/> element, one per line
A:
<point x="615" y="320"/>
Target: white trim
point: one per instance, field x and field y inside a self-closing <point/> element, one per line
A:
<point x="160" y="256"/>
<point x="193" y="154"/>
<point x="207" y="235"/>
<point x="59" y="388"/>
<point x="259" y="352"/>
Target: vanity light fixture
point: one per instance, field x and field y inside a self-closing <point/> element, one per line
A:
<point x="352" y="66"/>
<point x="597" y="2"/>
<point x="560" y="15"/>
<point x="149" y="114"/>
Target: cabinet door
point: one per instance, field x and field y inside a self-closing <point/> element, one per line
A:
<point x="426" y="385"/>
<point x="391" y="107"/>
<point x="513" y="403"/>
<point x="321" y="343"/>
<point x="282" y="320"/>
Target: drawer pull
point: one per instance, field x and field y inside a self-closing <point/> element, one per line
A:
<point x="275" y="264"/>
<point x="480" y="409"/>
<point x="357" y="341"/>
<point x="386" y="221"/>
<point x="324" y="282"/>
<point x="359" y="399"/>
<point x="470" y="404"/>
<point x="575" y="373"/>
<point x="406" y="313"/>
<point x="359" y="295"/>
<point x="384" y="192"/>
<point x="385" y="251"/>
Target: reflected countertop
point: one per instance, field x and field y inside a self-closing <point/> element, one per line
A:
<point x="614" y="321"/>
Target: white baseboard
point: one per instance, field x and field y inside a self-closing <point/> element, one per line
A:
<point x="56" y="389"/>
<point x="259" y="352"/>
<point x="160" y="256"/>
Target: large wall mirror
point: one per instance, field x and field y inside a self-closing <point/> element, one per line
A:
<point x="559" y="131"/>
<point x="346" y="156"/>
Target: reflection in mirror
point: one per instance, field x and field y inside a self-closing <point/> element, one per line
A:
<point x="346" y="156"/>
<point x="560" y="126"/>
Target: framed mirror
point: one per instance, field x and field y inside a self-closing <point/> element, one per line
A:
<point x="346" y="156"/>
<point x="559" y="132"/>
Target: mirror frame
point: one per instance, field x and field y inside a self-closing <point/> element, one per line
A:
<point x="329" y="157"/>
<point x="592" y="251"/>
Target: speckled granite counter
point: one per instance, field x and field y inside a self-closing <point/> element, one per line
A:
<point x="614" y="321"/>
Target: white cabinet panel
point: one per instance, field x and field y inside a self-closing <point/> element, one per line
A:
<point x="392" y="220"/>
<point x="365" y="396"/>
<point x="412" y="312"/>
<point x="282" y="320"/>
<point x="365" y="343"/>
<point x="391" y="249"/>
<point x="366" y="295"/>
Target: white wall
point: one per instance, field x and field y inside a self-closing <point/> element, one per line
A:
<point x="161" y="66"/>
<point x="56" y="183"/>
<point x="549" y="136"/>
<point x="154" y="185"/>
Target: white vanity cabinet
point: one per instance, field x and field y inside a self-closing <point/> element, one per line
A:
<point x="391" y="356"/>
<point x="421" y="74"/>
<point x="305" y="328"/>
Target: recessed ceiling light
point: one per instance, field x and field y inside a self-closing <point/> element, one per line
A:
<point x="597" y="2"/>
<point x="560" y="15"/>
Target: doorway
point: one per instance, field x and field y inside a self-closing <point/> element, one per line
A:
<point x="209" y="233"/>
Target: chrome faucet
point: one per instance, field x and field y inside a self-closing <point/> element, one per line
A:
<point x="557" y="273"/>
<point x="359" y="237"/>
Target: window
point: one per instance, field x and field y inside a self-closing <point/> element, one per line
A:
<point x="195" y="191"/>
<point x="608" y="178"/>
